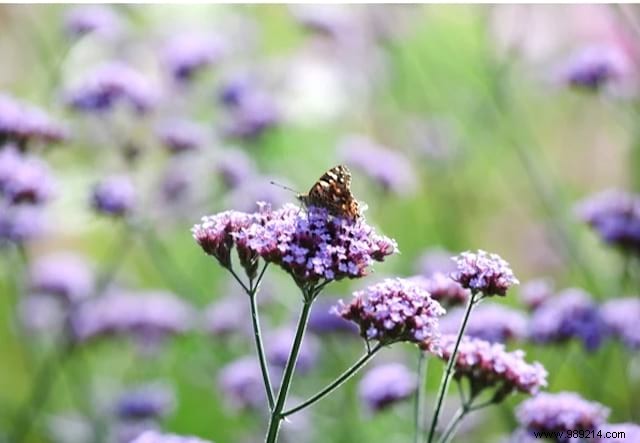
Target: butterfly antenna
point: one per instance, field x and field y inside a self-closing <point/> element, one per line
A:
<point x="280" y="185"/>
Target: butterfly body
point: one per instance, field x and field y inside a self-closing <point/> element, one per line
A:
<point x="332" y="191"/>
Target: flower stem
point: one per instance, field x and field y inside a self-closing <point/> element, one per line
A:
<point x="257" y="335"/>
<point x="346" y="375"/>
<point x="453" y="425"/>
<point x="419" y="405"/>
<point x="276" y="413"/>
<point x="448" y="373"/>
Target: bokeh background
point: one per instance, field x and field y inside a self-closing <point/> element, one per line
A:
<point x="465" y="127"/>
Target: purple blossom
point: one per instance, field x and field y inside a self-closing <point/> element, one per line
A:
<point x="21" y="123"/>
<point x="443" y="289"/>
<point x="395" y="310"/>
<point x="257" y="188"/>
<point x="491" y="322"/>
<point x="560" y="412"/>
<point x="110" y="84"/>
<point x="593" y="67"/>
<point x="235" y="167"/>
<point x="144" y="402"/>
<point x="242" y="385"/>
<point x="65" y="275"/>
<point x="156" y="437"/>
<point x="619" y="433"/>
<point x="186" y="54"/>
<point x="19" y="224"/>
<point x="115" y="196"/>
<point x="535" y="292"/>
<point x="615" y="216"/>
<point x="181" y="135"/>
<point x="435" y="260"/>
<point x="324" y="321"/>
<point x="570" y="314"/>
<point x="279" y="346"/>
<point x="148" y="316"/>
<point x="24" y="178"/>
<point x="226" y="316"/>
<point x="82" y="20"/>
<point x="483" y="272"/>
<point x="621" y="318"/>
<point x="390" y="169"/>
<point x="487" y="365"/>
<point x="386" y="385"/>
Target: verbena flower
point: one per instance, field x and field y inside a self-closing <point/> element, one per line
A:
<point x="24" y="178"/>
<point x="323" y="320"/>
<point x="181" y="135"/>
<point x="22" y="123"/>
<point x="148" y="401"/>
<point x="109" y="84"/>
<point x="615" y="216"/>
<point x="187" y="53"/>
<point x="389" y="168"/>
<point x="395" y="310"/>
<point x="443" y="289"/>
<point x="619" y="433"/>
<point x="535" y="292"/>
<point x="65" y="275"/>
<point x="148" y="316"/>
<point x="435" y="260"/>
<point x="279" y="346"/>
<point x="490" y="322"/>
<point x="20" y="224"/>
<point x="483" y="272"/>
<point x="115" y="196"/>
<point x="560" y="411"/>
<point x="226" y="316"/>
<point x="156" y="437"/>
<point x="489" y="365"/>
<point x="594" y="67"/>
<point x="386" y="385"/>
<point x="242" y="385"/>
<point x="234" y="167"/>
<point x="621" y="318"/>
<point x="82" y="20"/>
<point x="570" y="314"/>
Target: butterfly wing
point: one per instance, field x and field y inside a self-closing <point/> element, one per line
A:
<point x="332" y="192"/>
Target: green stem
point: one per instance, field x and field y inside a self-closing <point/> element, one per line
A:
<point x="276" y="414"/>
<point x="448" y="373"/>
<point x="453" y="425"/>
<point x="346" y="375"/>
<point x="420" y="399"/>
<point x="257" y="335"/>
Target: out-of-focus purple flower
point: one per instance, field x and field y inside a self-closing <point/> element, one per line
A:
<point x="145" y="402"/>
<point x="443" y="289"/>
<point x="235" y="167"/>
<point x="615" y="216"/>
<point x="21" y="123"/>
<point x="483" y="272"/>
<point x="621" y="317"/>
<point x="242" y="384"/>
<point x="535" y="292"/>
<point x="19" y="224"/>
<point x="395" y="310"/>
<point x="226" y="316"/>
<point x="491" y="322"/>
<point x="257" y="189"/>
<point x="435" y="260"/>
<point x="187" y="53"/>
<point x="391" y="169"/>
<point x="176" y="184"/>
<point x="156" y="437"/>
<point x="115" y="196"/>
<point x="560" y="412"/>
<point x="147" y="315"/>
<point x="181" y="135"/>
<point x="596" y="66"/>
<point x="386" y="385"/>
<point x="570" y="314"/>
<point x="42" y="315"/>
<point x="489" y="365"/>
<point x="24" y="178"/>
<point x="86" y="19"/>
<point x="110" y="84"/>
<point x="279" y="346"/>
<point x="65" y="275"/>
<point x="324" y="321"/>
<point x="619" y="433"/>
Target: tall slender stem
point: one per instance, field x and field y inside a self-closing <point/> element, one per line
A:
<point x="453" y="425"/>
<point x="420" y="396"/>
<point x="448" y="373"/>
<point x="257" y="335"/>
<point x="346" y="375"/>
<point x="276" y="414"/>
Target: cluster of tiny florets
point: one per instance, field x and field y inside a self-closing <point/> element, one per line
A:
<point x="443" y="289"/>
<point x="621" y="317"/>
<point x="385" y="385"/>
<point x="484" y="272"/>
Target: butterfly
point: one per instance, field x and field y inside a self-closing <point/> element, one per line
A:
<point x="332" y="191"/>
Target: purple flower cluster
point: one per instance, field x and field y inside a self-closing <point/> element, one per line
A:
<point x="535" y="292"/>
<point x="388" y="168"/>
<point x="235" y="167"/>
<point x="157" y="437"/>
<point x="560" y="412"/>
<point x="395" y="310"/>
<point x="149" y="401"/>
<point x="86" y="19"/>
<point x="113" y="83"/>
<point x="620" y="433"/>
<point x="181" y="136"/>
<point x="21" y="123"/>
<point x="308" y="244"/>
<point x="621" y="317"/>
<point x="24" y="178"/>
<point x="279" y="346"/>
<point x="242" y="384"/>
<point x="226" y="316"/>
<point x="483" y="272"/>
<point x="385" y="385"/>
<point x="615" y="216"/>
<point x="491" y="322"/>
<point x="323" y="320"/>
<point x="570" y="314"/>
<point x="487" y="364"/>
<point x="443" y="289"/>
<point x="148" y="316"/>
<point x="186" y="54"/>
<point x="593" y="67"/>
<point x="20" y="223"/>
<point x="64" y="275"/>
<point x="115" y="196"/>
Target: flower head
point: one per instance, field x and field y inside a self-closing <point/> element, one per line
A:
<point x="181" y="136"/>
<point x="484" y="272"/>
<point x="235" y="167"/>
<point x="395" y="310"/>
<point x="385" y="385"/>
<point x="86" y="19"/>
<point x="21" y="123"/>
<point x="489" y="365"/>
<point x="186" y="54"/>
<point x="157" y="437"/>
<point x="535" y="292"/>
<point x="115" y="196"/>
<point x="443" y="289"/>
<point x="24" y="178"/>
<point x="621" y="317"/>
<point x="64" y="275"/>
<point x="147" y="401"/>
<point x="226" y="316"/>
<point x="560" y="412"/>
<point x="490" y="321"/>
<point x="593" y="67"/>
<point x="323" y="320"/>
<point x="19" y="224"/>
